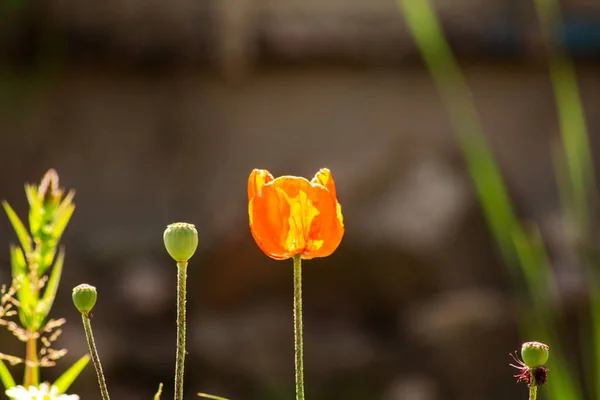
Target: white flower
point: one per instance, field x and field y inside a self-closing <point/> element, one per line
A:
<point x="44" y="392"/>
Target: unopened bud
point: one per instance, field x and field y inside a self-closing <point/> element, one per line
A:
<point x="84" y="297"/>
<point x="181" y="241"/>
<point x="534" y="354"/>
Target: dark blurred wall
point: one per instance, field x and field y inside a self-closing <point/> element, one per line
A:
<point x="157" y="112"/>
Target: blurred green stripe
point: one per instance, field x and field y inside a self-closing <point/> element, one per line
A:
<point x="523" y="254"/>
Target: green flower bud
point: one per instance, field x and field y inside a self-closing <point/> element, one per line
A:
<point x="534" y="354"/>
<point x="84" y="297"/>
<point x="181" y="241"/>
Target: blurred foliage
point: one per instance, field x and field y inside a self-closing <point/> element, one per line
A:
<point x="31" y="52"/>
<point x="522" y="246"/>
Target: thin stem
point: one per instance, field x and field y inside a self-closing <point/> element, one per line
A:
<point x="32" y="369"/>
<point x="533" y="392"/>
<point x="87" y="327"/>
<point x="181" y="321"/>
<point x="532" y="385"/>
<point x="299" y="363"/>
<point x="31" y="364"/>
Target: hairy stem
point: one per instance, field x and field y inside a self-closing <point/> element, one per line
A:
<point x="87" y="327"/>
<point x="181" y="321"/>
<point x="532" y="392"/>
<point x="299" y="363"/>
<point x="31" y="365"/>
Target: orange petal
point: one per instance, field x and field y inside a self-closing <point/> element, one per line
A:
<point x="297" y="192"/>
<point x="324" y="177"/>
<point x="290" y="215"/>
<point x="263" y="232"/>
<point x="258" y="178"/>
<point x="330" y="228"/>
<point x="268" y="214"/>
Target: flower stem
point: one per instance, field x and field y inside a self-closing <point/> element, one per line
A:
<point x="181" y="320"/>
<point x="532" y="392"/>
<point x="31" y="367"/>
<point x="87" y="327"/>
<point x="299" y="363"/>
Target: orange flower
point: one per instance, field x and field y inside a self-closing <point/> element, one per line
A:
<point x="290" y="215"/>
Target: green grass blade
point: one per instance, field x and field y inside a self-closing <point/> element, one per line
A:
<point x="538" y="274"/>
<point x="574" y="131"/>
<point x="18" y="226"/>
<point x="571" y="116"/>
<point x="587" y="345"/>
<point x="68" y="377"/>
<point x="485" y="174"/>
<point x="5" y="376"/>
<point x="542" y="287"/>
<point x="422" y="22"/>
<point x="211" y="396"/>
<point x="595" y="315"/>
<point x="491" y="190"/>
<point x="576" y="171"/>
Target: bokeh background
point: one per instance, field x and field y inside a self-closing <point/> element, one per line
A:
<point x="157" y="111"/>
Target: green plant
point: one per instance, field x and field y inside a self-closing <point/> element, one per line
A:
<point x="84" y="299"/>
<point x="531" y="366"/>
<point x="522" y="246"/>
<point x="291" y="217"/>
<point x="37" y="266"/>
<point x="180" y="240"/>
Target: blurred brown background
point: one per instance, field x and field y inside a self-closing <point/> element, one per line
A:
<point x="157" y="111"/>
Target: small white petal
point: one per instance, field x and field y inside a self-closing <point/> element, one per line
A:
<point x="44" y="392"/>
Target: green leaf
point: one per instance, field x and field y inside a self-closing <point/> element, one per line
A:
<point x="66" y="202"/>
<point x="36" y="217"/>
<point x="5" y="376"/>
<point x="68" y="377"/>
<point x="17" y="261"/>
<point x="18" y="226"/>
<point x="31" y="193"/>
<point x="52" y="286"/>
<point x="62" y="220"/>
<point x="36" y="221"/>
<point x="19" y="271"/>
<point x="47" y="256"/>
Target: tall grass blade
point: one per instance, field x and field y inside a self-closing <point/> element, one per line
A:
<point x="498" y="209"/>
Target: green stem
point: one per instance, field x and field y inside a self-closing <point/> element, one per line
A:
<point x="32" y="369"/>
<point x="180" y="357"/>
<point x="533" y="392"/>
<point x="31" y="365"/>
<point x="299" y="363"/>
<point x="87" y="327"/>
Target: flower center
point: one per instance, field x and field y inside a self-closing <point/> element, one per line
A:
<point x="302" y="214"/>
